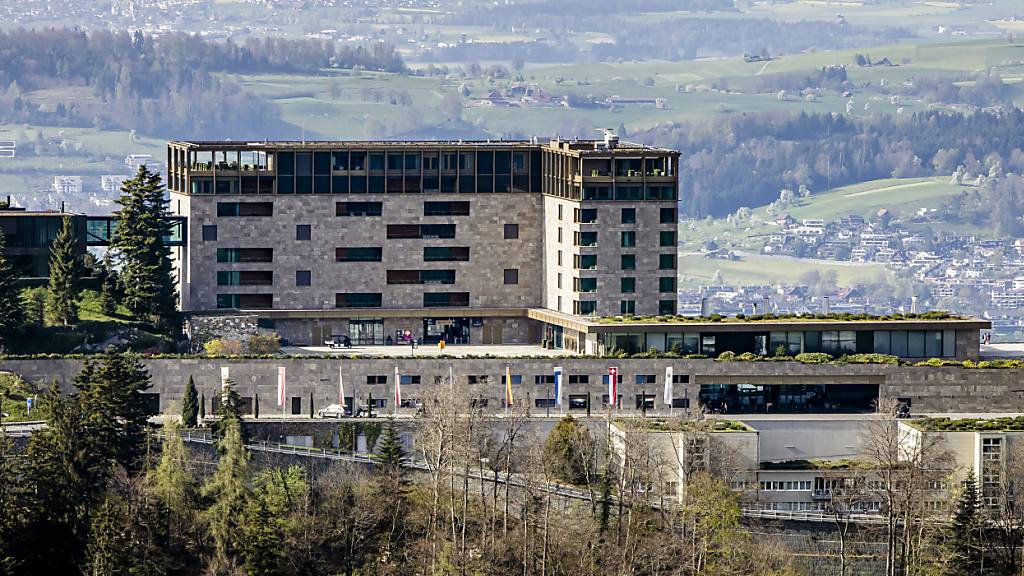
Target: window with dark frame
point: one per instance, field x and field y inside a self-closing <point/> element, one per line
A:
<point x="303" y="277"/>
<point x="511" y="276"/>
<point x="303" y="232"/>
<point x="209" y="233"/>
<point x="511" y="231"/>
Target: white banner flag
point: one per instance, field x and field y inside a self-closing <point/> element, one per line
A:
<point x="669" y="389"/>
<point x="280" y="386"/>
<point x="341" y="387"/>
<point x="558" y="386"/>
<point x="398" y="389"/>
<point x="225" y="375"/>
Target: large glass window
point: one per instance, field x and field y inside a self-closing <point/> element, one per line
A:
<point x="586" y="285"/>
<point x="788" y="343"/>
<point x="586" y="261"/>
<point x="358" y="254"/>
<point x="445" y="299"/>
<point x="839" y="342"/>
<point x="357" y="300"/>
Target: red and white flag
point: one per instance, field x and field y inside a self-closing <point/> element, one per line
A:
<point x="398" y="389"/>
<point x="341" y="387"/>
<point x="280" y="385"/>
<point x="613" y="385"/>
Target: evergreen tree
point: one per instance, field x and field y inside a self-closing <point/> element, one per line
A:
<point x="11" y="503"/>
<point x="565" y="452"/>
<point x="108" y="287"/>
<point x="202" y="406"/>
<point x="12" y="311"/>
<point x="964" y="542"/>
<point x="263" y="541"/>
<point x="147" y="276"/>
<point x="111" y="397"/>
<point x="227" y="492"/>
<point x="190" y="405"/>
<point x="229" y="410"/>
<point x="390" y="450"/>
<point x="310" y="404"/>
<point x="109" y="542"/>
<point x="256" y="406"/>
<point x="62" y="293"/>
<point x="172" y="479"/>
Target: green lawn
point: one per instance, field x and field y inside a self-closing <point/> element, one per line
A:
<point x="695" y="270"/>
<point x="902" y="196"/>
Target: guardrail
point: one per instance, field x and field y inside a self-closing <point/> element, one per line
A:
<point x="809" y="516"/>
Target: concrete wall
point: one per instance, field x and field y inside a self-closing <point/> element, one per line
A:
<point x="930" y="389"/>
<point x="806" y="439"/>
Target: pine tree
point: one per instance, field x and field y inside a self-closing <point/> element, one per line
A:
<point x="172" y="478"/>
<point x="147" y="275"/>
<point x="109" y="542"/>
<point x="390" y="451"/>
<point x="263" y="541"/>
<point x="12" y="310"/>
<point x="310" y="404"/>
<point x="229" y="410"/>
<point x="256" y="406"/>
<point x="963" y="549"/>
<point x="108" y="287"/>
<point x="62" y="292"/>
<point x="202" y="406"/>
<point x="110" y="394"/>
<point x="228" y="493"/>
<point x="190" y="405"/>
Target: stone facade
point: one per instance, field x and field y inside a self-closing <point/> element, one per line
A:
<point x="930" y="389"/>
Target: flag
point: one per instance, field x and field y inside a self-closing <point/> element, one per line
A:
<point x="398" y="388"/>
<point x="613" y="385"/>
<point x="558" y="386"/>
<point x="509" y="399"/>
<point x="280" y="385"/>
<point x="451" y="377"/>
<point x="225" y="375"/>
<point x="669" y="392"/>
<point x="341" y="388"/>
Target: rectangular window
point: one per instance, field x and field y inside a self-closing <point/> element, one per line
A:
<point x="628" y="261"/>
<point x="542" y="379"/>
<point x="578" y="401"/>
<point x="604" y="379"/>
<point x="667" y="238"/>
<point x="511" y="275"/>
<point x="627" y="285"/>
<point x="627" y="307"/>
<point x="303" y="277"/>
<point x="666" y="261"/>
<point x="579" y="379"/>
<point x="376" y="379"/>
<point x="585" y="285"/>
<point x="421" y="276"/>
<point x="586" y="215"/>
<point x="209" y="233"/>
<point x="358" y="254"/>
<point x="398" y="231"/>
<point x="445" y="253"/>
<point x="357" y="300"/>
<point x="628" y="238"/>
<point x="517" y="379"/>
<point x="246" y="301"/>
<point x="559" y="257"/>
<point x="558" y="281"/>
<point x="668" y="216"/>
<point x="586" y="238"/>
<point x="629" y="215"/>
<point x="559" y="211"/>
<point x="584" y="307"/>
<point x="445" y="299"/>
<point x="585" y="261"/>
<point x="559" y="234"/>
<point x="229" y="209"/>
<point x="446" y="208"/>
<point x="245" y="278"/>
<point x="410" y="379"/>
<point x="303" y="232"/>
<point x="511" y="231"/>
<point x="666" y="307"/>
<point x="358" y="208"/>
<point x="666" y="284"/>
<point x="245" y="254"/>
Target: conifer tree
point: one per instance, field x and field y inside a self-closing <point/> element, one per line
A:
<point x="256" y="406"/>
<point x="172" y="480"/>
<point x="202" y="406"/>
<point x="147" y="275"/>
<point x="62" y="292"/>
<point x="12" y="309"/>
<point x="190" y="405"/>
<point x="229" y="410"/>
<point x="390" y="450"/>
<point x="108" y="287"/>
<point x="263" y="541"/>
<point x="964" y="542"/>
<point x="110" y="394"/>
<point x="228" y="493"/>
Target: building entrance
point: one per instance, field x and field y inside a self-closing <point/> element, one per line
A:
<point x="451" y="330"/>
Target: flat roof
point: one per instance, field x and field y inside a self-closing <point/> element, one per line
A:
<point x="573" y="147"/>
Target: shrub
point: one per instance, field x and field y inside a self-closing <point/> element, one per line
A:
<point x="727" y="356"/>
<point x="224" y="347"/>
<point x="870" y="359"/>
<point x="938" y="362"/>
<point x="1001" y="364"/>
<point x="813" y="358"/>
<point x="264" y="344"/>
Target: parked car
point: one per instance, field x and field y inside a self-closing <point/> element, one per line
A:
<point x="332" y="411"/>
<point x="338" y="342"/>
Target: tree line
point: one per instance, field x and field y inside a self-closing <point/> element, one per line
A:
<point x="745" y="159"/>
<point x="161" y="86"/>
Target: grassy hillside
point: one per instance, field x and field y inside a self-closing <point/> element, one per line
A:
<point x="696" y="270"/>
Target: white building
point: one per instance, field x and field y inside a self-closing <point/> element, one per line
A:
<point x="111" y="183"/>
<point x="67" y="185"/>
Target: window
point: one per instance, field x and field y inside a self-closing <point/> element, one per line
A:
<point x="666" y="261"/>
<point x="628" y="238"/>
<point x="457" y="208"/>
<point x="618" y="400"/>
<point x="579" y="379"/>
<point x="229" y="209"/>
<point x="584" y="307"/>
<point x="409" y="379"/>
<point x="421" y="276"/>
<point x="478" y="379"/>
<point x="558" y="281"/>
<point x="559" y="257"/>
<point x="445" y="299"/>
<point x="559" y="211"/>
<point x="838" y="342"/>
<point x="511" y="231"/>
<point x="303" y="232"/>
<point x="209" y="233"/>
<point x="646" y="379"/>
<point x="357" y="300"/>
<point x="542" y="379"/>
<point x="517" y="379"/>
<point x="303" y="277"/>
<point x="627" y="307"/>
<point x="245" y="254"/>
<point x="445" y="254"/>
<point x="645" y="401"/>
<point x="578" y="401"/>
<point x="358" y="254"/>
<point x="511" y="276"/>
<point x="246" y="301"/>
<point x="668" y="216"/>
<point x="420" y="231"/>
<point x="559" y="234"/>
<point x="629" y="215"/>
<point x="244" y="278"/>
<point x="377" y="379"/>
<point x="544" y="403"/>
<point x="628" y="261"/>
<point x="585" y="285"/>
<point x="627" y="285"/>
<point x="666" y="307"/>
<point x="358" y="208"/>
<point x="666" y="284"/>
<point x="585" y="261"/>
<point x="586" y="215"/>
<point x="667" y="238"/>
<point x="586" y="238"/>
